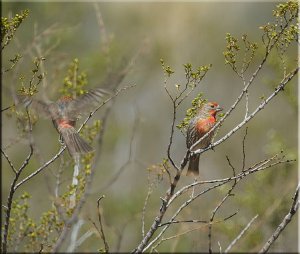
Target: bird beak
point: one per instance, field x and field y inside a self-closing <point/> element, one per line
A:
<point x="219" y="109"/>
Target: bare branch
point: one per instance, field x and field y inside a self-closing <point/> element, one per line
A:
<point x="240" y="234"/>
<point x="12" y="187"/>
<point x="218" y="207"/>
<point x="191" y="230"/>
<point x="244" y="154"/>
<point x="103" y="33"/>
<point x="183" y="221"/>
<point x="219" y="182"/>
<point x="40" y="168"/>
<point x="73" y="240"/>
<point x="64" y="147"/>
<point x="144" y="208"/>
<point x="101" y="226"/>
<point x="115" y="177"/>
<point x="256" y="167"/>
<point x="279" y="88"/>
<point x="286" y="220"/>
<point x="9" y="162"/>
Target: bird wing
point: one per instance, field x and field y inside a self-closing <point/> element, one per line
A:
<point x="42" y="108"/>
<point x="86" y="102"/>
<point x="192" y="133"/>
<point x="197" y="128"/>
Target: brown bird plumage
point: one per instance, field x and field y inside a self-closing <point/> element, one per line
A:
<point x="202" y="123"/>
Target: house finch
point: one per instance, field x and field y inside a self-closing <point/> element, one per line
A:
<point x="198" y="127"/>
<point x="64" y="114"/>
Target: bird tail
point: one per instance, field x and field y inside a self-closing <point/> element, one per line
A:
<point x="193" y="169"/>
<point x="74" y="143"/>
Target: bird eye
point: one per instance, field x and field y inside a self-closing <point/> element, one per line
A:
<point x="212" y="106"/>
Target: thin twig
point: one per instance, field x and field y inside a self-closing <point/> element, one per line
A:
<point x="64" y="147"/>
<point x="244" y="91"/>
<point x="144" y="244"/>
<point x="218" y="184"/>
<point x="2" y="110"/>
<point x="130" y="159"/>
<point x="191" y="230"/>
<point x="244" y="154"/>
<point x="218" y="207"/>
<point x="240" y="234"/>
<point x="9" y="162"/>
<point x="73" y="240"/>
<point x="150" y="190"/>
<point x="101" y="226"/>
<point x="279" y="88"/>
<point x="256" y="167"/>
<point x="12" y="187"/>
<point x="183" y="221"/>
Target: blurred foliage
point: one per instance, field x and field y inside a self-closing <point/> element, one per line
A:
<point x="28" y="88"/>
<point x="159" y="170"/>
<point x="75" y="82"/>
<point x="34" y="235"/>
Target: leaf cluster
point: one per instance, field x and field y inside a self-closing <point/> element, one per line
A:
<point x="233" y="50"/>
<point x="283" y="31"/>
<point x="10" y="26"/>
<point x="34" y="81"/>
<point x="194" y="76"/>
<point x="197" y="102"/>
<point x="75" y="82"/>
<point x="90" y="132"/>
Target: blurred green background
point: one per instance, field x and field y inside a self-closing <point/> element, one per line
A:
<point x="178" y="33"/>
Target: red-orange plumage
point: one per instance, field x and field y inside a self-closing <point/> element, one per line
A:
<point x="204" y="125"/>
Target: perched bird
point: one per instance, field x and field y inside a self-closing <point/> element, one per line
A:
<point x="202" y="123"/>
<point x="64" y="114"/>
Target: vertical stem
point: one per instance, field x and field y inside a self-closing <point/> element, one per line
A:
<point x="75" y="180"/>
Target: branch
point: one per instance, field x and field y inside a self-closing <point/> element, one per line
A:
<point x="64" y="147"/>
<point x="81" y="202"/>
<point x="101" y="226"/>
<point x="73" y="240"/>
<point x="115" y="177"/>
<point x="287" y="219"/>
<point x="218" y="207"/>
<point x="170" y="196"/>
<point x="40" y="168"/>
<point x="240" y="234"/>
<point x="207" y="223"/>
<point x="13" y="189"/>
<point x="219" y="182"/>
<point x="256" y="167"/>
<point x="279" y="88"/>
<point x="9" y="161"/>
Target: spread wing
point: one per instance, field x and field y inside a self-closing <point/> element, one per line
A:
<point x="41" y="108"/>
<point x="86" y="102"/>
